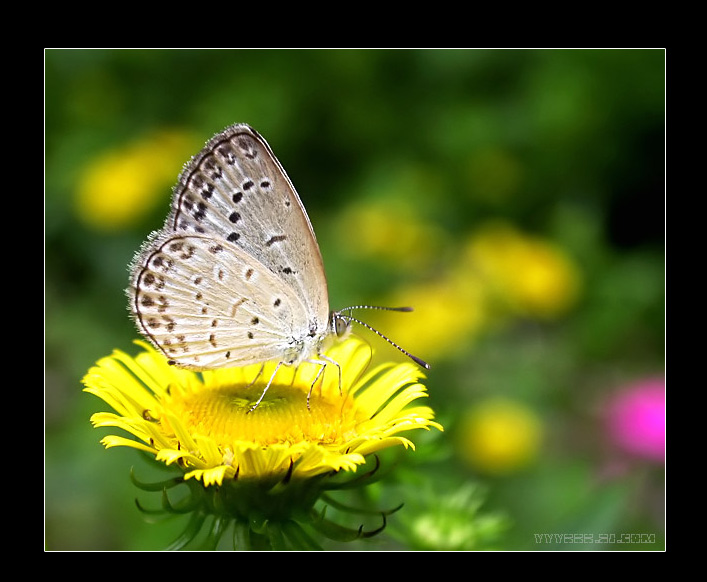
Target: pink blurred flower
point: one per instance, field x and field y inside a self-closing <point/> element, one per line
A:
<point x="636" y="419"/>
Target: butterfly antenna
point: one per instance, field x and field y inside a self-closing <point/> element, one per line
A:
<point x="419" y="361"/>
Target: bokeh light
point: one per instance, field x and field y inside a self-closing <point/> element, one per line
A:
<point x="635" y="419"/>
<point x="499" y="436"/>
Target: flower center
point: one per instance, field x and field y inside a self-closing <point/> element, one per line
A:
<point x="224" y="414"/>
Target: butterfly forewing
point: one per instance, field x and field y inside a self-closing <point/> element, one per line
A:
<point x="236" y="191"/>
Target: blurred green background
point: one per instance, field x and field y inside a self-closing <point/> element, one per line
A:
<point x="514" y="197"/>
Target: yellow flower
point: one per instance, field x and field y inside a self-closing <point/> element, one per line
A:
<point x="531" y="276"/>
<point x="202" y="421"/>
<point x="121" y="186"/>
<point x="263" y="468"/>
<point x="268" y="463"/>
<point x="499" y="436"/>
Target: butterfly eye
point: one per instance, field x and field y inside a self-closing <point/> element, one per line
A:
<point x="341" y="325"/>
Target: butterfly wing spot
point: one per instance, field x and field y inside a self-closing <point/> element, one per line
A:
<point x="247" y="147"/>
<point x="233" y="237"/>
<point x="200" y="212"/>
<point x="236" y="305"/>
<point x="275" y="239"/>
<point x="162" y="263"/>
<point x="199" y="185"/>
<point x="206" y="190"/>
<point x="185" y="252"/>
<point x="214" y="171"/>
<point x="226" y="152"/>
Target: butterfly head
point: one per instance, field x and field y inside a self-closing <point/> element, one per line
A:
<point x="340" y="324"/>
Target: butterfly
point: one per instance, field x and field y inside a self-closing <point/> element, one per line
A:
<point x="235" y="276"/>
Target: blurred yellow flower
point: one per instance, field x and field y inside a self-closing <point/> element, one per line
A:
<point x="498" y="272"/>
<point x="449" y="312"/>
<point x="530" y="276"/>
<point x="499" y="436"/>
<point x="120" y="186"/>
<point x="390" y="232"/>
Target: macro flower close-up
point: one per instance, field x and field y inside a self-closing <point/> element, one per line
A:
<point x="206" y="425"/>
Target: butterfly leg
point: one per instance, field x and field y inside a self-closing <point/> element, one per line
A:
<point x="322" y="365"/>
<point x="266" y="387"/>
<point x="338" y="367"/>
<point x="323" y="362"/>
<point x="260" y="373"/>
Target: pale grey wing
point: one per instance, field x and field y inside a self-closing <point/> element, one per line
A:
<point x="236" y="191"/>
<point x="206" y="304"/>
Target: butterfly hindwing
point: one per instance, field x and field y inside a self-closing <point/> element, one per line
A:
<point x="208" y="305"/>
